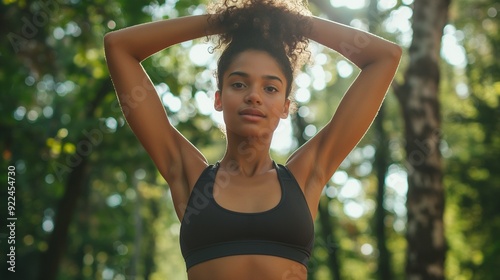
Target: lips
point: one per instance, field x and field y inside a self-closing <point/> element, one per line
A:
<point x="252" y="112"/>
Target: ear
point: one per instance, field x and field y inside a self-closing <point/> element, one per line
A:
<point x="218" y="101"/>
<point x="286" y="109"/>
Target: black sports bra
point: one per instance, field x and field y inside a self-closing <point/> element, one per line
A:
<point x="209" y="231"/>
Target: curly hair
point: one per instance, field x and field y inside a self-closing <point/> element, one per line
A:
<point x="278" y="27"/>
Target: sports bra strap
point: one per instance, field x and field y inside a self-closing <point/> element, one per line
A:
<point x="285" y="174"/>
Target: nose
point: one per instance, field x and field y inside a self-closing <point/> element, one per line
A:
<point x="253" y="96"/>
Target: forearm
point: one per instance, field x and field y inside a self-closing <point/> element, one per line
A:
<point x="141" y="41"/>
<point x="360" y="47"/>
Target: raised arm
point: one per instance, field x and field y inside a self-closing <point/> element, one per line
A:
<point x="179" y="162"/>
<point x="315" y="162"/>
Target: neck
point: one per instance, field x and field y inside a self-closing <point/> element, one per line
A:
<point x="247" y="155"/>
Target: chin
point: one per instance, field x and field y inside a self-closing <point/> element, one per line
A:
<point x="253" y="132"/>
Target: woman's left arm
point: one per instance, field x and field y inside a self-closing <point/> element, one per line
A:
<point x="315" y="162"/>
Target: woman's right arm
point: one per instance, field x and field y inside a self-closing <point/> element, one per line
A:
<point x="178" y="161"/>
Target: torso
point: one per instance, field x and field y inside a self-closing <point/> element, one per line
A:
<point x="248" y="267"/>
<point x="249" y="196"/>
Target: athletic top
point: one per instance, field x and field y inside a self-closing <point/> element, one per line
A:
<point x="209" y="231"/>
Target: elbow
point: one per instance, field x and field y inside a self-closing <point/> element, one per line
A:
<point x="110" y="40"/>
<point x="392" y="55"/>
<point x="109" y="46"/>
<point x="388" y="53"/>
<point x="114" y="46"/>
<point x="117" y="44"/>
<point x="395" y="51"/>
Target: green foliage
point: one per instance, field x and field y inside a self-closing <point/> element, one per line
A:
<point x="473" y="134"/>
<point x="58" y="108"/>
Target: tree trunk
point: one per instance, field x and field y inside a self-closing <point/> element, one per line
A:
<point x="381" y="164"/>
<point x="329" y="238"/>
<point x="418" y="97"/>
<point x="149" y="259"/>
<point x="75" y="183"/>
<point x="138" y="228"/>
<point x="58" y="239"/>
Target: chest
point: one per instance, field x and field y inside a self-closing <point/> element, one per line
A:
<point x="255" y="210"/>
<point x="247" y="195"/>
<point x="263" y="216"/>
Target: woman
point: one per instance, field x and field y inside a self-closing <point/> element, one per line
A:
<point x="247" y="217"/>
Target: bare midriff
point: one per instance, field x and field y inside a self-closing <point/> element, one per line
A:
<point x="248" y="267"/>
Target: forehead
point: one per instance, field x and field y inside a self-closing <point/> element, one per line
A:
<point x="255" y="62"/>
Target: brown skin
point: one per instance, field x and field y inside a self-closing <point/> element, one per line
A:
<point x="248" y="267"/>
<point x="252" y="101"/>
<point x="251" y="86"/>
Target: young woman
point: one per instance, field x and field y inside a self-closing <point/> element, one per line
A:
<point x="247" y="217"/>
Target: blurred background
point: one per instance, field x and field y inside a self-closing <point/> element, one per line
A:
<point x="417" y="199"/>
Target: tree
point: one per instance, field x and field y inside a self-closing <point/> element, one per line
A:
<point x="381" y="165"/>
<point x="473" y="181"/>
<point x="52" y="70"/>
<point x="418" y="96"/>
<point x="64" y="133"/>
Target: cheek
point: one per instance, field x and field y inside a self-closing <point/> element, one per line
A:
<point x="229" y="102"/>
<point x="279" y="108"/>
<point x="276" y="111"/>
<point x="229" y="106"/>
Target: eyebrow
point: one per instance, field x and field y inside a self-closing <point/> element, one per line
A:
<point x="246" y="75"/>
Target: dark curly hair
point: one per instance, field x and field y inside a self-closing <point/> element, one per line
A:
<point x="279" y="28"/>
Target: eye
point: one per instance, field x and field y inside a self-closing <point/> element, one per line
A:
<point x="271" y="89"/>
<point x="238" y="85"/>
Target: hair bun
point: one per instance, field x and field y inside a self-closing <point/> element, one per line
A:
<point x="282" y="24"/>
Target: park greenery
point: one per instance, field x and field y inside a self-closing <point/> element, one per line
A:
<point x="89" y="203"/>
